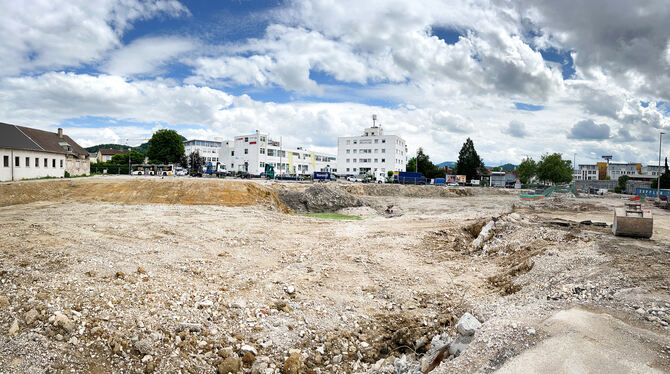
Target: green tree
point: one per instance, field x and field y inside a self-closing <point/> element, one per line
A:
<point x="527" y="169"/>
<point x="122" y="158"/>
<point x="195" y="162"/>
<point x="425" y="166"/>
<point x="165" y="146"/>
<point x="665" y="177"/>
<point x="496" y="168"/>
<point x="468" y="160"/>
<point x="552" y="168"/>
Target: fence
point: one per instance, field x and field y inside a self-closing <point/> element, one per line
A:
<point x="107" y="169"/>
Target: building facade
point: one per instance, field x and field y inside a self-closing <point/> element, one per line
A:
<point x="586" y="172"/>
<point x="27" y="153"/>
<point x="208" y="149"/>
<point x="250" y="153"/>
<point x="76" y="157"/>
<point x="371" y="153"/>
<point x="106" y="154"/>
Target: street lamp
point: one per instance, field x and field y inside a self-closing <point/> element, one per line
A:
<point x="658" y="175"/>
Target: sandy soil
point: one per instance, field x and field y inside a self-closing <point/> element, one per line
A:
<point x="126" y="275"/>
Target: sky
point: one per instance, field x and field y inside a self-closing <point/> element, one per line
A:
<point x="520" y="78"/>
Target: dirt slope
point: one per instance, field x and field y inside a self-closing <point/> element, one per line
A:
<point x="125" y="190"/>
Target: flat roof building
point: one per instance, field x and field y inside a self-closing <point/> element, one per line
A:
<point x="250" y="153"/>
<point x="372" y="152"/>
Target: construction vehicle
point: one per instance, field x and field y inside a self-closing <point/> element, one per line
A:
<point x="269" y="171"/>
<point x="633" y="221"/>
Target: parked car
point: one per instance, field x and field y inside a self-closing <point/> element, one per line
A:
<point x="453" y="184"/>
<point x="181" y="172"/>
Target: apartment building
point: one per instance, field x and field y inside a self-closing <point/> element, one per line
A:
<point x="586" y="172"/>
<point x="250" y="153"/>
<point x="371" y="152"/>
<point x="208" y="149"/>
<point x="615" y="170"/>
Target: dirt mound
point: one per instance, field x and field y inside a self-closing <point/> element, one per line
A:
<point x="141" y="191"/>
<point x="319" y="198"/>
<point x="405" y="190"/>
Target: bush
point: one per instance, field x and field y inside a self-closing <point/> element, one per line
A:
<point x="67" y="175"/>
<point x="618" y="189"/>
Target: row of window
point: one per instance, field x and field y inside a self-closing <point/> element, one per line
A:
<point x="17" y="162"/>
<point x="366" y="160"/>
<point x="354" y="169"/>
<point x="366" y="141"/>
<point x="203" y="144"/>
<point x="367" y="150"/>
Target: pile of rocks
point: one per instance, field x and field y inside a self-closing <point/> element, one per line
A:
<point x="442" y="347"/>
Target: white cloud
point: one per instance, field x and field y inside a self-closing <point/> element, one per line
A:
<point x="47" y="34"/>
<point x="146" y="56"/>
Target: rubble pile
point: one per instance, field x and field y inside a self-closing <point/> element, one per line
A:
<point x="319" y="198"/>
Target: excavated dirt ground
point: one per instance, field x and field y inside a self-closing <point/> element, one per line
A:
<point x="113" y="274"/>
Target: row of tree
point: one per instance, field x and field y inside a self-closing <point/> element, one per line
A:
<point x="164" y="147"/>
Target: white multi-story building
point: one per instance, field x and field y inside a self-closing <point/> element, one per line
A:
<point x="371" y="152"/>
<point x="615" y="170"/>
<point x="653" y="170"/>
<point x="250" y="153"/>
<point x="586" y="172"/>
<point x="208" y="149"/>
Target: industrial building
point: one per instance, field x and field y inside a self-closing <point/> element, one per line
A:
<point x="29" y="153"/>
<point x="371" y="152"/>
<point x="208" y="149"/>
<point x="250" y="153"/>
<point x="614" y="170"/>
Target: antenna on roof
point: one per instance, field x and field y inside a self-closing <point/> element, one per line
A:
<point x="374" y="119"/>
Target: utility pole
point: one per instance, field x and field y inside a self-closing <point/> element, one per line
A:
<point x="658" y="176"/>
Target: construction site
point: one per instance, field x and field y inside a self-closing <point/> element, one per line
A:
<point x="140" y="275"/>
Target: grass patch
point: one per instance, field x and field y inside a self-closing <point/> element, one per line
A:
<point x="332" y="216"/>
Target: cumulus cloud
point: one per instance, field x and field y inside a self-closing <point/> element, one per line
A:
<point x="516" y="129"/>
<point x="589" y="130"/>
<point x="45" y="34"/>
<point x="147" y="55"/>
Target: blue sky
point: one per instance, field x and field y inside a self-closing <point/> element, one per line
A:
<point x="519" y="78"/>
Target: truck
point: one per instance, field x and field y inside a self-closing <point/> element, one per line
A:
<point x="380" y="176"/>
<point x="406" y="177"/>
<point x="217" y="170"/>
<point x="322" y="176"/>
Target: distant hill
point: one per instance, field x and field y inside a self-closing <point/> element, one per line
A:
<point x="142" y="148"/>
<point x="508" y="167"/>
<point x="451" y="164"/>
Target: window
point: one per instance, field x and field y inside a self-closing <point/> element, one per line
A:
<point x="354" y="151"/>
<point x="246" y="140"/>
<point x="376" y="141"/>
<point x="383" y="140"/>
<point x="354" y="169"/>
<point x="348" y="151"/>
<point x="262" y="138"/>
<point x="355" y="141"/>
<point x="383" y="150"/>
<point x="16" y="161"/>
<point x="383" y="160"/>
<point x="232" y="153"/>
<point x="376" y="160"/>
<point x="37" y="162"/>
<point x="262" y="151"/>
<point x="5" y="160"/>
<point x="354" y="160"/>
<point x="347" y="160"/>
<point x="27" y="162"/>
<point x="262" y="164"/>
<point x="347" y="169"/>
<point x="53" y="163"/>
<point x="246" y="151"/>
<point x="348" y="142"/>
<point x="271" y="152"/>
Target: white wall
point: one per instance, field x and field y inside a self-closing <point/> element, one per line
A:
<point x="77" y="166"/>
<point x="234" y="157"/>
<point x="30" y="171"/>
<point x="389" y="148"/>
